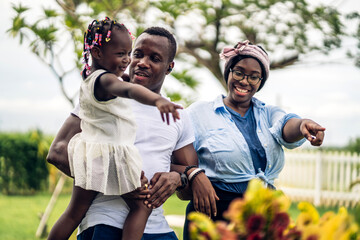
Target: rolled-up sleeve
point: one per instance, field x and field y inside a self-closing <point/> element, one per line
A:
<point x="279" y="119"/>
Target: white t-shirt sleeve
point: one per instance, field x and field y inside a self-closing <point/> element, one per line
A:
<point x="186" y="135"/>
<point x="76" y="110"/>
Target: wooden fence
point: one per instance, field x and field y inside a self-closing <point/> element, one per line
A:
<point x="321" y="177"/>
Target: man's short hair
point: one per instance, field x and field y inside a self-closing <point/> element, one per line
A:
<point x="160" y="31"/>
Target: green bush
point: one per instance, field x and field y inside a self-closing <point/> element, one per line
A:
<point x="23" y="167"/>
<point x="353" y="145"/>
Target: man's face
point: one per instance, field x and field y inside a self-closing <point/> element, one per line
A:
<point x="150" y="61"/>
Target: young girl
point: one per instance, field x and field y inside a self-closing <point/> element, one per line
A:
<point x="103" y="157"/>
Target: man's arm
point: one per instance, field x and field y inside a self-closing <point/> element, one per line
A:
<point x="204" y="195"/>
<point x="58" y="154"/>
<point x="164" y="184"/>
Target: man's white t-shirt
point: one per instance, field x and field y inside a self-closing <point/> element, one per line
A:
<point x="155" y="141"/>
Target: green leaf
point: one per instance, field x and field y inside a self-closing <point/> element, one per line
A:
<point x="185" y="78"/>
<point x="50" y="13"/>
<point x="19" y="8"/>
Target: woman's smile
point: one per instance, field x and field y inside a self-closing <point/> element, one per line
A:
<point x="241" y="91"/>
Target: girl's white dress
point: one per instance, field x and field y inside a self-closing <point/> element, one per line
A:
<point x="103" y="157"/>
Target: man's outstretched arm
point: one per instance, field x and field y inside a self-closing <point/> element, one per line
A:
<point x="58" y="154"/>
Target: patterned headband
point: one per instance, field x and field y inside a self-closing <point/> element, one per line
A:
<point x="246" y="48"/>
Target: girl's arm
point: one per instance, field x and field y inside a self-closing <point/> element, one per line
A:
<point x="111" y="85"/>
<point x="295" y="129"/>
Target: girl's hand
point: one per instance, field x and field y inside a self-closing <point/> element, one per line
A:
<point x="165" y="107"/>
<point x="141" y="192"/>
<point x="204" y="195"/>
<point x="144" y="181"/>
<point x="312" y="131"/>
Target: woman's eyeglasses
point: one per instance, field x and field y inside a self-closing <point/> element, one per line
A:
<point x="239" y="76"/>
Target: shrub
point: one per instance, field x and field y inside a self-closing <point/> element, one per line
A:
<point x="23" y="167"/>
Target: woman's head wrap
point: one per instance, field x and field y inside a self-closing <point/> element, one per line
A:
<point x="247" y="49"/>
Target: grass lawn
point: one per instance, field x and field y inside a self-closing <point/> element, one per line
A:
<point x="19" y="214"/>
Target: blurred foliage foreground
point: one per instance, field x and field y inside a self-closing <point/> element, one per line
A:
<point x="263" y="214"/>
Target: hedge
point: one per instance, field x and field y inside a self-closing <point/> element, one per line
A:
<point x="23" y="167"/>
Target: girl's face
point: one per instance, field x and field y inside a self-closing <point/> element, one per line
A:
<point x="241" y="92"/>
<point x="116" y="53"/>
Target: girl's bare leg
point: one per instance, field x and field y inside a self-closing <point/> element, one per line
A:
<point x="136" y="220"/>
<point x="80" y="202"/>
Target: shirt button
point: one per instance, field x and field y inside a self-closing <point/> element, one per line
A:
<point x="270" y="166"/>
<point x="265" y="145"/>
<point x="259" y="131"/>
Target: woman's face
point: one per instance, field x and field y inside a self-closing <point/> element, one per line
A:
<point x="241" y="92"/>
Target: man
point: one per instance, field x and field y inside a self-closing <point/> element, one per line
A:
<point x="158" y="143"/>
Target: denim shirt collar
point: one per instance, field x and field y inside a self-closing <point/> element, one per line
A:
<point x="219" y="103"/>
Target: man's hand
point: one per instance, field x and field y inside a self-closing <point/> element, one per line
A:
<point x="204" y="195"/>
<point x="162" y="186"/>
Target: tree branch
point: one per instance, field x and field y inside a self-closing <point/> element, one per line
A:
<point x="284" y="62"/>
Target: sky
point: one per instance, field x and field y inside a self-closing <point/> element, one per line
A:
<point x="322" y="88"/>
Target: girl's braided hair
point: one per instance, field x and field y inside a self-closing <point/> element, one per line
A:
<point x="95" y="35"/>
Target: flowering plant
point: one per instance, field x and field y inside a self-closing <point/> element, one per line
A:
<point x="262" y="214"/>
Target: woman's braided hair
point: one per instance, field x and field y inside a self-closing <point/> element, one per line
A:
<point x="95" y="35"/>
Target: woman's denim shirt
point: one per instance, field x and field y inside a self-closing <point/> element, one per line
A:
<point x="222" y="149"/>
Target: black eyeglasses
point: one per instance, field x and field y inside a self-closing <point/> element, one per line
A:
<point x="239" y="76"/>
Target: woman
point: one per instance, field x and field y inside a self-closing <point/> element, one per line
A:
<point x="238" y="137"/>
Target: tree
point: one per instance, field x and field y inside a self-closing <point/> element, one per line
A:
<point x="355" y="54"/>
<point x="61" y="29"/>
<point x="284" y="28"/>
<point x="202" y="29"/>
